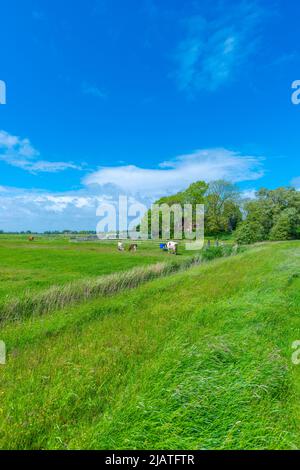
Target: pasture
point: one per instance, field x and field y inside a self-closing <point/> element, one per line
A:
<point x="199" y="359"/>
<point x="32" y="266"/>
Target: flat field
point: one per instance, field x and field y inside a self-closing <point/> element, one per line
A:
<point x="33" y="266"/>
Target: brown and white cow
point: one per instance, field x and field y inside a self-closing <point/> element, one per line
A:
<point x="172" y="247"/>
<point x="133" y="247"/>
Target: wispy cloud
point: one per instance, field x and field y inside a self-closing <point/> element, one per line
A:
<point x="20" y="153"/>
<point x="178" y="173"/>
<point x="93" y="90"/>
<point x="213" y="49"/>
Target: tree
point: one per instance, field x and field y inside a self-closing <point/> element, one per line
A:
<point x="274" y="215"/>
<point x="222" y="207"/>
<point x="286" y="226"/>
<point x="194" y="194"/>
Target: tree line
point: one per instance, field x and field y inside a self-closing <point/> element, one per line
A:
<point x="271" y="215"/>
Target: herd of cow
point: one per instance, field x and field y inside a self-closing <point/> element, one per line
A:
<point x="170" y="247"/>
<point x="132" y="247"/>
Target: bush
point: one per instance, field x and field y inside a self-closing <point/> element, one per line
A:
<point x="286" y="226"/>
<point x="216" y="252"/>
<point x="249" y="232"/>
<point x="212" y="253"/>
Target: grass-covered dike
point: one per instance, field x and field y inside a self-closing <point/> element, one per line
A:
<point x="199" y="359"/>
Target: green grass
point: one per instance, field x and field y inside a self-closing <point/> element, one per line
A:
<point x="57" y="297"/>
<point x="197" y="360"/>
<point x="32" y="267"/>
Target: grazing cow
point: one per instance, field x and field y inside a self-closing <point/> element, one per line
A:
<point x="31" y="239"/>
<point x="133" y="247"/>
<point x="120" y="246"/>
<point x="172" y="247"/>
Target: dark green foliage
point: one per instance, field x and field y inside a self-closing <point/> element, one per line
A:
<point x="212" y="253"/>
<point x="274" y="215"/>
<point x="222" y="208"/>
<point x="216" y="252"/>
<point x="286" y="225"/>
<point x="249" y="232"/>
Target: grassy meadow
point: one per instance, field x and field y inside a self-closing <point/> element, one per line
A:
<point x="196" y="359"/>
<point x="31" y="267"/>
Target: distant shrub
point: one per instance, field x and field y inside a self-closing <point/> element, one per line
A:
<point x="286" y="225"/>
<point x="213" y="252"/>
<point x="249" y="232"/>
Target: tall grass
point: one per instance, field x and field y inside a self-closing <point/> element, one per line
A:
<point x="57" y="297"/>
<point x="196" y="360"/>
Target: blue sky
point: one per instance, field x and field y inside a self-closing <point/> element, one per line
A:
<point x="142" y="97"/>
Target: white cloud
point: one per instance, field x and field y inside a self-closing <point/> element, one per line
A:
<point x="213" y="49"/>
<point x="20" y="153"/>
<point x="177" y="174"/>
<point x="40" y="210"/>
<point x="35" y="210"/>
<point x="249" y="194"/>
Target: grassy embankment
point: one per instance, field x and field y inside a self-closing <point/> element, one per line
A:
<point x="199" y="359"/>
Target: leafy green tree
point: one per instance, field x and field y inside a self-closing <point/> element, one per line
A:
<point x="274" y="215"/>
<point x="249" y="232"/>
<point x="194" y="194"/>
<point x="222" y="207"/>
<point x="286" y="226"/>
